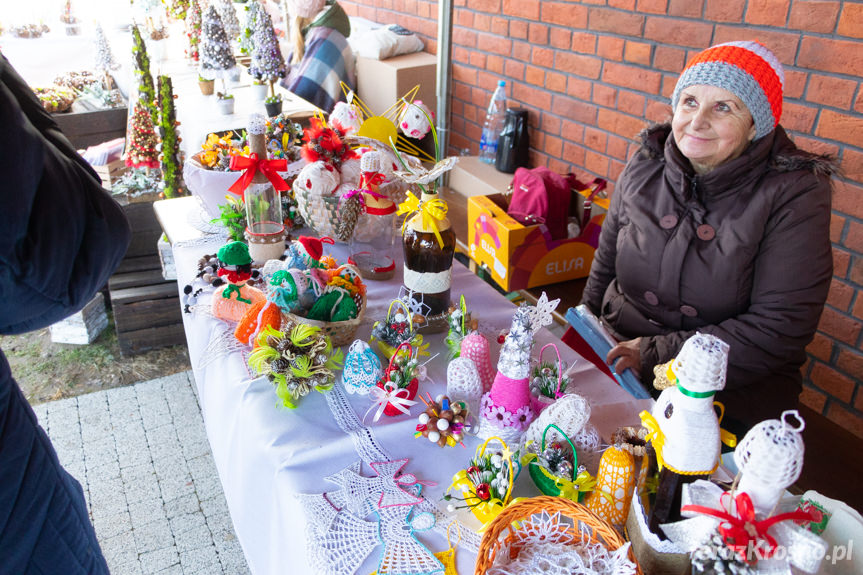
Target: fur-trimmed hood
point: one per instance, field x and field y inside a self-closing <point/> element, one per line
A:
<point x="785" y="155"/>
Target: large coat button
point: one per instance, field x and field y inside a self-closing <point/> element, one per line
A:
<point x="668" y="221"/>
<point x="688" y="311"/>
<point x="651" y="298"/>
<point x="706" y="232"/>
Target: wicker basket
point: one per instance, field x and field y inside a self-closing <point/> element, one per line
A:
<point x="340" y="332"/>
<point x="321" y="214"/>
<point x="585" y="523"/>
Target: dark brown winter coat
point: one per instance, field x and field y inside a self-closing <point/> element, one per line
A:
<point x="742" y="253"/>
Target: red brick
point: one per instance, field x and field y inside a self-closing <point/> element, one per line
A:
<point x="831" y="91"/>
<point x="658" y="112"/>
<point x="852" y="165"/>
<point x="555" y="82"/>
<point x="573" y="154"/>
<point x="831" y="55"/>
<point x="573" y="109"/>
<point x="586" y="66"/>
<point x="584" y="42"/>
<point x="858" y="308"/>
<point x="538" y="34"/>
<point x="847" y="418"/>
<point x="463" y="74"/>
<point x="637" y="52"/>
<point x="795" y="84"/>
<point x="553" y="145"/>
<point x="854" y="237"/>
<point x="622" y="4"/>
<point x="630" y="103"/>
<point x="564" y="14"/>
<point x="798" y="117"/>
<point x="851" y="20"/>
<point x="724" y="10"/>
<point x="855" y="273"/>
<point x="534" y="76"/>
<point x="572" y="131"/>
<point x="550" y="124"/>
<point x="851" y="362"/>
<point x="595" y="163"/>
<point x="495" y="44"/>
<point x="527" y="9"/>
<point x="610" y="48"/>
<point x="620" y="124"/>
<point x="595" y="139"/>
<point x="652" y="6"/>
<point x="837" y="226"/>
<point x="557" y="165"/>
<point x="631" y="77"/>
<point x="783" y="44"/>
<point x="814" y="16"/>
<point x="840" y="295"/>
<point x="477" y="59"/>
<point x="465" y="18"/>
<point x="560" y="38"/>
<point x="616" y="147"/>
<point x="841" y="265"/>
<point x="767" y="12"/>
<point x="614" y="21"/>
<point x="690" y="33"/>
<point x="858" y="105"/>
<point x="669" y="59"/>
<point x="522" y="51"/>
<point x="669" y="81"/>
<point x="821" y="347"/>
<point x="812" y="398"/>
<point x="500" y="26"/>
<point x="842" y="127"/>
<point x="578" y="88"/>
<point x="515" y="70"/>
<point x="839" y="326"/>
<point x="816" y="146"/>
<point x="687" y="8"/>
<point x="536" y="96"/>
<point x="858" y="402"/>
<point x="487" y="6"/>
<point x="834" y="383"/>
<point x="542" y="57"/>
<point x="614" y="170"/>
<point x="518" y="29"/>
<point x="494" y="64"/>
<point x="604" y="95"/>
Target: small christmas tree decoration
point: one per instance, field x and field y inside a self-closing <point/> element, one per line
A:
<point x="172" y="172"/>
<point x="146" y="89"/>
<point x="105" y="62"/>
<point x="230" y="22"/>
<point x="251" y="9"/>
<point x="615" y="484"/>
<point x="217" y="58"/>
<point x="141" y="151"/>
<point x="267" y="65"/>
<point x="194" y="19"/>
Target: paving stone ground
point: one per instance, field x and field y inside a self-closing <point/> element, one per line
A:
<point x="142" y="457"/>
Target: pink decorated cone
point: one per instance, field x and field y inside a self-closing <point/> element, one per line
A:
<point x="474" y="346"/>
<point x="506" y="409"/>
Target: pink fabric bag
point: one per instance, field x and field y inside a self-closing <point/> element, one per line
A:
<point x="541" y="196"/>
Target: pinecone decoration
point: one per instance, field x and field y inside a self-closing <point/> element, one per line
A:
<point x="349" y="211"/>
<point x="714" y="557"/>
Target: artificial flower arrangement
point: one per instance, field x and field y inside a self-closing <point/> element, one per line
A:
<point x="485" y="486"/>
<point x="296" y="359"/>
<point x="394" y="392"/>
<point x="443" y="422"/>
<point x="461" y="323"/>
<point x="217" y="150"/>
<point x="283" y="137"/>
<point x="398" y="328"/>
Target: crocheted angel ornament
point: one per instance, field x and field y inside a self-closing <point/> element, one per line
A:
<point x="506" y="410"/>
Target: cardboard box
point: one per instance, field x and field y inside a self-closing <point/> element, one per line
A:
<point x="519" y="256"/>
<point x="380" y="83"/>
<point x="111" y="172"/>
<point x="471" y="177"/>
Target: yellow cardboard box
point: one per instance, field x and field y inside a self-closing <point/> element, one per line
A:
<point x="519" y="256"/>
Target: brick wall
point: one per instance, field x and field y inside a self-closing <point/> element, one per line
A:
<point x="592" y="72"/>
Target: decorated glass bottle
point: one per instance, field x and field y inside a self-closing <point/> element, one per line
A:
<point x="428" y="263"/>
<point x="265" y="229"/>
<point x="373" y="240"/>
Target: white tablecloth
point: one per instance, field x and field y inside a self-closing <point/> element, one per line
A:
<point x="265" y="453"/>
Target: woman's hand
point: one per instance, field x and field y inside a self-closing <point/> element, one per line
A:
<point x="629" y="354"/>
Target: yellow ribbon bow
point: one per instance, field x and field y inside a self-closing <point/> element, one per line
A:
<point x="654" y="435"/>
<point x="431" y="210"/>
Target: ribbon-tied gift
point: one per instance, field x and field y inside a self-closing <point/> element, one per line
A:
<point x="252" y="165"/>
<point x="389" y="395"/>
<point x="432" y="211"/>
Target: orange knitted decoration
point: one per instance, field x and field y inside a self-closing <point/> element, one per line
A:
<point x="259" y="315"/>
<point x="232" y="309"/>
<point x="615" y="483"/>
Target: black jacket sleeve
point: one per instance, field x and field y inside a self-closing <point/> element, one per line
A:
<point x="61" y="234"/>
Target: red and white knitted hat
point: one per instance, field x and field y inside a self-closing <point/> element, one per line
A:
<point x="749" y="70"/>
<point x="313" y="247"/>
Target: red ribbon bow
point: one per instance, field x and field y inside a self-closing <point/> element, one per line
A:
<point x="744" y="530"/>
<point x="252" y="164"/>
<point x="369" y="179"/>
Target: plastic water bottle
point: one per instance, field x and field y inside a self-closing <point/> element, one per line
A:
<point x="493" y="124"/>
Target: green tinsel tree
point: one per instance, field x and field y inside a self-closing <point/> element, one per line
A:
<point x="141" y="148"/>
<point x="172" y="172"/>
<point x="252" y="9"/>
<point x="146" y="89"/>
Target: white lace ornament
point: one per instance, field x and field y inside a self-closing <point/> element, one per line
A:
<point x="475" y="347"/>
<point x="463" y="383"/>
<point x="542" y="314"/>
<point x="365" y="494"/>
<point x="362" y="368"/>
<point x="427" y="282"/>
<point x="570" y="413"/>
<point x="414" y="301"/>
<point x="770" y="459"/>
<point x="337" y="541"/>
<point x="402" y="553"/>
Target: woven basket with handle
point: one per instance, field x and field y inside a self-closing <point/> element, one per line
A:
<point x="340" y="332"/>
<point x="585" y="524"/>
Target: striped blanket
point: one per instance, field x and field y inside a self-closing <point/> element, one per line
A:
<point x="327" y="61"/>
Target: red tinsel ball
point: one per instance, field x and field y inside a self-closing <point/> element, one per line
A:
<point x="483" y="491"/>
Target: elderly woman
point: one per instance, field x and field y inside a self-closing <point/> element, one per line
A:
<point x="719" y="224"/>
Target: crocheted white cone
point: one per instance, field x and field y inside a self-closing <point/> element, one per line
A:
<point x="463" y="383"/>
<point x="362" y="368"/>
<point x="685" y="412"/>
<point x="475" y="347"/>
<point x="570" y="413"/>
<point x="770" y="459"/>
